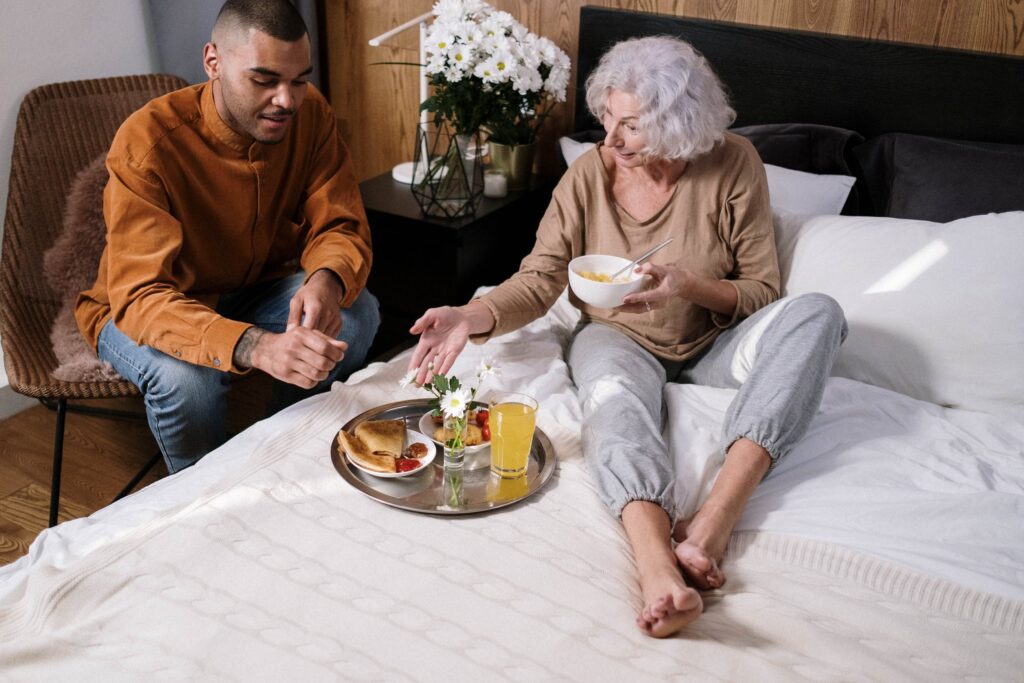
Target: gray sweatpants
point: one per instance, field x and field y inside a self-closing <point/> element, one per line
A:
<point x="779" y="358"/>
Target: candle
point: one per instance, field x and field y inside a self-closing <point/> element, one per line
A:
<point x="495" y="184"/>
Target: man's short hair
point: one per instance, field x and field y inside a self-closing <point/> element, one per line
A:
<point x="277" y="18"/>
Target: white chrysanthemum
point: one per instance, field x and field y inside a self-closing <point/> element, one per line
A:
<point x="503" y="20"/>
<point x="497" y="68"/>
<point x="486" y="71"/>
<point x="453" y="403"/>
<point x="470" y="33"/>
<point x="487" y="368"/>
<point x="493" y="43"/>
<point x="455" y="10"/>
<point x="526" y="80"/>
<point x="556" y="83"/>
<point x="439" y="40"/>
<point x="497" y="24"/>
<point x="436" y="64"/>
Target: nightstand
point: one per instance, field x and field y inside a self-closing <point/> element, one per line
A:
<point x="420" y="262"/>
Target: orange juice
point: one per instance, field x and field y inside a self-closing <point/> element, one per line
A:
<point x="512" y="421"/>
<point x="500" y="490"/>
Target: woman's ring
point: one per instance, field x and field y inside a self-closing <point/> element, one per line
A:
<point x="648" y="305"/>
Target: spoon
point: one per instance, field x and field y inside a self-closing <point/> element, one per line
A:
<point x="643" y="258"/>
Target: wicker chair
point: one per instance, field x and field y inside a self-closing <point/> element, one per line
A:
<point x="60" y="129"/>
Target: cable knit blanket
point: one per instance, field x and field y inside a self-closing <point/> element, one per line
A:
<point x="261" y="563"/>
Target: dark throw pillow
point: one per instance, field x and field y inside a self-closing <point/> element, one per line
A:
<point x="933" y="179"/>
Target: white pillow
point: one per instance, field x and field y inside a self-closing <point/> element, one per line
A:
<point x="809" y="193"/>
<point x="571" y="149"/>
<point x="793" y="191"/>
<point x="936" y="310"/>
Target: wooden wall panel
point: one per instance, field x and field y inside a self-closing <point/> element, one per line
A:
<point x="376" y="105"/>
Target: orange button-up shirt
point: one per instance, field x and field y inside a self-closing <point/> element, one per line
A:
<point x="195" y="210"/>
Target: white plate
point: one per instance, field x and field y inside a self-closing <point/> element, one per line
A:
<point x="411" y="437"/>
<point x="427" y="426"/>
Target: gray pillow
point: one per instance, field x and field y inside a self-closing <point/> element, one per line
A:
<point x="911" y="176"/>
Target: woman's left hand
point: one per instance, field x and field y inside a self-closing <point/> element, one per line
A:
<point x="666" y="285"/>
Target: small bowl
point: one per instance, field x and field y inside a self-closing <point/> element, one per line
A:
<point x="602" y="294"/>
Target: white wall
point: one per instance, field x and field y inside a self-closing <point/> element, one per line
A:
<point x="47" y="41"/>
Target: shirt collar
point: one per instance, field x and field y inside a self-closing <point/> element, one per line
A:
<point x="223" y="131"/>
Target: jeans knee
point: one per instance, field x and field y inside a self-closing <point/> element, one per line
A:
<point x="361" y="320"/>
<point x="199" y="387"/>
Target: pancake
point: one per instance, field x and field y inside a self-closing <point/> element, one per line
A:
<point x="360" y="453"/>
<point x="385" y="437"/>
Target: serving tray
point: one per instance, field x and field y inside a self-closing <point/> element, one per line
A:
<point x="434" y="491"/>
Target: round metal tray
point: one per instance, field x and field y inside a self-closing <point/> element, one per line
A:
<point x="434" y="490"/>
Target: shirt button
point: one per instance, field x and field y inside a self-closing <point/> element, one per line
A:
<point x="216" y="362"/>
<point x="178" y="353"/>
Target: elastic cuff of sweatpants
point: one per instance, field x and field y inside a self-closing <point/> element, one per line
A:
<point x="767" y="444"/>
<point x="647" y="498"/>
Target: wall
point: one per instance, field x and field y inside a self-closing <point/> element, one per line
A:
<point x="377" y="105"/>
<point x="46" y="41"/>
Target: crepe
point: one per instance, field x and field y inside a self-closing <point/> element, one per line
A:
<point x="361" y="454"/>
<point x="383" y="436"/>
<point x="474" y="437"/>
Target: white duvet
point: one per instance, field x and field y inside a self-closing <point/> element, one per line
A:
<point x="889" y="545"/>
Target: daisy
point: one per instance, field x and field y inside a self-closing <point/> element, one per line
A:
<point x="453" y="403"/>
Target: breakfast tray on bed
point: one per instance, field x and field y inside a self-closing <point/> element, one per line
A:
<point x="435" y="491"/>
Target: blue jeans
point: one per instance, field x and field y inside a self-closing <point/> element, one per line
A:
<point x="186" y="403"/>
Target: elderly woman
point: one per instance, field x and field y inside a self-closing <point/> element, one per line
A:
<point x="666" y="168"/>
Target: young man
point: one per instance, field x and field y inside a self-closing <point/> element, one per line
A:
<point x="236" y="236"/>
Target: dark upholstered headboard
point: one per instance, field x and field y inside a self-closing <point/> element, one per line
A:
<point x="872" y="87"/>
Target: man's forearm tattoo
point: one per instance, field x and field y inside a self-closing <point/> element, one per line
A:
<point x="243" y="349"/>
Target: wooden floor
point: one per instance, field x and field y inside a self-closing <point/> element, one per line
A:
<point x="101" y="455"/>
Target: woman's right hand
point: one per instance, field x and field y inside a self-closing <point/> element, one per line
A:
<point x="443" y="334"/>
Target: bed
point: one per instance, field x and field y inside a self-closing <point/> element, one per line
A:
<point x="889" y="545"/>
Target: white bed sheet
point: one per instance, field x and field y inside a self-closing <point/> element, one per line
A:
<point x="889" y="544"/>
<point x="936" y="490"/>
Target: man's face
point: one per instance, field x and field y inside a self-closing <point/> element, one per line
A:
<point x="259" y="82"/>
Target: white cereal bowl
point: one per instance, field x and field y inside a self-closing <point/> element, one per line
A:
<point x="602" y="294"/>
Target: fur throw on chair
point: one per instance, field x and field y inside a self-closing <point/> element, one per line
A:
<point x="70" y="266"/>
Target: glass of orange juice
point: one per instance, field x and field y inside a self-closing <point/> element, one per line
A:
<point x="501" y="490"/>
<point x="512" y="420"/>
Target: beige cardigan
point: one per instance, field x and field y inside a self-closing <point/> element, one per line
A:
<point x="719" y="216"/>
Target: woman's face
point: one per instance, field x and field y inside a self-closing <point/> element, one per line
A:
<point x="622" y="129"/>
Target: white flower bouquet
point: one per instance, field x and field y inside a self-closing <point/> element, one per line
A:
<point x="489" y="72"/>
<point x="452" y="400"/>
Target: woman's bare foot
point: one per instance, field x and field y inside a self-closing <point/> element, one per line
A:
<point x="700" y="567"/>
<point x="669" y="604"/>
<point x="703" y="539"/>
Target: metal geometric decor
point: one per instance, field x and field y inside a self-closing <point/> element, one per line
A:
<point x="448" y="173"/>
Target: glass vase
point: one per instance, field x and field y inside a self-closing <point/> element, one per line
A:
<point x="454" y="448"/>
<point x="448" y="173"/>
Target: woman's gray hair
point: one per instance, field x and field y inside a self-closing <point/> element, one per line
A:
<point x="684" y="110"/>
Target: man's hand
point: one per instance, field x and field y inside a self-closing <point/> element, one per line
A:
<point x="317" y="304"/>
<point x="299" y="356"/>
